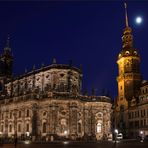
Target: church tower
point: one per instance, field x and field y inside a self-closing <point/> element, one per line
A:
<point x="6" y="63"/>
<point x="129" y="76"/>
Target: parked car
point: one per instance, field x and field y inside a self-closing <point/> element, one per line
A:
<point x="146" y="138"/>
<point x="119" y="136"/>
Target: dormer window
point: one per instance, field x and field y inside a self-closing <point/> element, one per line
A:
<point x="47" y="76"/>
<point x="135" y="52"/>
<point x="38" y="79"/>
<point x="127" y="52"/>
<point x="61" y="75"/>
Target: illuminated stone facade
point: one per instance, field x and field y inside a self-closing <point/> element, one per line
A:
<point x="47" y="103"/>
<point x="131" y="112"/>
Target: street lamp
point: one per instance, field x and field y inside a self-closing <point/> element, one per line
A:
<point x="116" y="133"/>
<point x="142" y="135"/>
<point x="1" y="134"/>
<point x="141" y="132"/>
<point x="65" y="132"/>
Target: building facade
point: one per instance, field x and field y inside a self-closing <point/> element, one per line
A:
<point x="131" y="107"/>
<point x="47" y="104"/>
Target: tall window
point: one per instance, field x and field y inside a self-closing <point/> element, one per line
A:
<point x="27" y="112"/>
<point x="79" y="127"/>
<point x="44" y="127"/>
<point x="10" y="115"/>
<point x="19" y="114"/>
<point x="10" y="128"/>
<point x="2" y="128"/>
<point x="27" y="127"/>
<point x="2" y="116"/>
<point x="19" y="127"/>
<point x="99" y="128"/>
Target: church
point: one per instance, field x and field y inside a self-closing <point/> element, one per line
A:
<point x="131" y="106"/>
<point x="47" y="104"/>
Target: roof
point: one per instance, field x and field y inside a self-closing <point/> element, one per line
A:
<point x="52" y="66"/>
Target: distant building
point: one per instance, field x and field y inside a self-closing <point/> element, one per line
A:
<point x="47" y="104"/>
<point x="131" y="107"/>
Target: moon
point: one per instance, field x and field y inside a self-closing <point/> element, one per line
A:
<point x="138" y="20"/>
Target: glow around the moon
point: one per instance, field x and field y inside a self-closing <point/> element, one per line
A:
<point x="138" y="20"/>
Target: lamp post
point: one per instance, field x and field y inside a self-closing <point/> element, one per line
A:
<point x="142" y="136"/>
<point x="116" y="133"/>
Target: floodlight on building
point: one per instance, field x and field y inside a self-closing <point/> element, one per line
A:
<point x="65" y="132"/>
<point x="27" y="142"/>
<point x="66" y="142"/>
<point x="27" y="134"/>
<point x="116" y="131"/>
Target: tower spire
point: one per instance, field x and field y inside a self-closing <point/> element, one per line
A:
<point x="7" y="47"/>
<point x="127" y="38"/>
<point x="8" y="41"/>
<point x="126" y="17"/>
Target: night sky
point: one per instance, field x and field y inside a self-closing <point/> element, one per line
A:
<point x="88" y="33"/>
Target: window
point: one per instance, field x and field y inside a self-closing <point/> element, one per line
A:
<point x="2" y="116"/>
<point x="138" y="113"/>
<point x="141" y="123"/>
<point x="129" y="115"/>
<point x="79" y="127"/>
<point x="141" y="113"/>
<point x="2" y="128"/>
<point x="127" y="52"/>
<point x="27" y="127"/>
<point x="1" y="87"/>
<point x="20" y="114"/>
<point x="135" y="52"/>
<point x="19" y="127"/>
<point x="144" y="122"/>
<point x="44" y="113"/>
<point x="144" y="112"/>
<point x="121" y="87"/>
<point x="44" y="127"/>
<point x="99" y="126"/>
<point x="10" y="128"/>
<point x="27" y="112"/>
<point x="135" y="114"/>
<point x="10" y="115"/>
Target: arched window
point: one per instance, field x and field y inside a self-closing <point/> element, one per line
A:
<point x="44" y="127"/>
<point x="2" y="128"/>
<point x="79" y="127"/>
<point x="27" y="127"/>
<point x="19" y="127"/>
<point x="1" y="87"/>
<point x="27" y="112"/>
<point x="99" y="128"/>
<point x="10" y="128"/>
<point x="19" y="114"/>
<point x="10" y="115"/>
<point x="2" y="116"/>
<point x="44" y="113"/>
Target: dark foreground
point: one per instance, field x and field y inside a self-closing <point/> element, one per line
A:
<point x="66" y="144"/>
